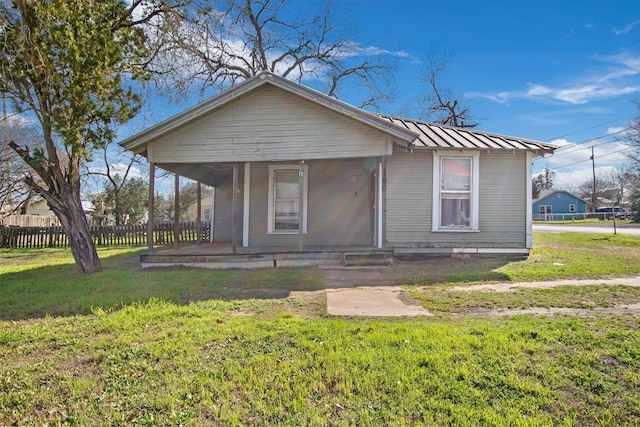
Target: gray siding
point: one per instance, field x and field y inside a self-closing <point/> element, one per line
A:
<point x="338" y="205"/>
<point x="269" y="124"/>
<point x="502" y="198"/>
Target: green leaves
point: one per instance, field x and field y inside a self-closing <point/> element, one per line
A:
<point x="73" y="62"/>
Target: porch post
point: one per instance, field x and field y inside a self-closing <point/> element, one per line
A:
<point x="198" y="214"/>
<point x="176" y="213"/>
<point x="245" y="205"/>
<point x="300" y="204"/>
<point x="150" y="219"/>
<point x="383" y="203"/>
<point x="234" y="203"/>
<point x="379" y="208"/>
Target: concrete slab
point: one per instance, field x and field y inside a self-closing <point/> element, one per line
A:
<point x="380" y="301"/>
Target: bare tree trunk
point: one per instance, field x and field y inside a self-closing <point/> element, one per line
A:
<point x="68" y="208"/>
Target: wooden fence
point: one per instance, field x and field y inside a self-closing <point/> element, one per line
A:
<point x="104" y="235"/>
<point x="29" y="221"/>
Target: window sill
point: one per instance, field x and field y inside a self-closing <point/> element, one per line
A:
<point x="454" y="230"/>
<point x="291" y="233"/>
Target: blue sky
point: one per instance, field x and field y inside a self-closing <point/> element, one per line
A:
<point x="556" y="71"/>
<point x="559" y="71"/>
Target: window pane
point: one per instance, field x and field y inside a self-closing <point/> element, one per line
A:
<point x="287" y="185"/>
<point x="456" y="174"/>
<point x="455" y="210"/>
<point x="286" y="203"/>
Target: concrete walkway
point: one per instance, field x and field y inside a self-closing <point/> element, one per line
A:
<point x="365" y="292"/>
<point x="379" y="301"/>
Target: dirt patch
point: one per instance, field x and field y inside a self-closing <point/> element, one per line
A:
<point x="515" y="286"/>
<point x="626" y="309"/>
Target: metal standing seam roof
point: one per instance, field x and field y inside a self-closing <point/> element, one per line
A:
<point x="431" y="135"/>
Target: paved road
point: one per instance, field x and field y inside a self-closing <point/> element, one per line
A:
<point x="628" y="229"/>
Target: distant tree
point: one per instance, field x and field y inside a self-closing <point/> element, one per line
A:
<point x="441" y="105"/>
<point x="70" y="64"/>
<point x="116" y="179"/>
<point x="634" y="198"/>
<point x="543" y="181"/>
<point x="221" y="43"/>
<point x="15" y="194"/>
<point x="613" y="184"/>
<point x="126" y="201"/>
<point x="632" y="137"/>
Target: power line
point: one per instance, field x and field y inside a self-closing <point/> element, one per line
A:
<point x="589" y="159"/>
<point x="592" y="127"/>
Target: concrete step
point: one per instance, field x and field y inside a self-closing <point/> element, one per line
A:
<point x="365" y="259"/>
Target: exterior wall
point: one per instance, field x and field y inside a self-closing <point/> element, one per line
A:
<point x="40" y="208"/>
<point x="269" y="124"/>
<point x="192" y="208"/>
<point x="559" y="202"/>
<point x="502" y="203"/>
<point x="338" y="211"/>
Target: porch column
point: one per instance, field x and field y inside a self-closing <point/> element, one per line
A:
<point x="300" y="205"/>
<point x="234" y="203"/>
<point x="379" y="208"/>
<point x="176" y="213"/>
<point x="245" y="205"/>
<point x="199" y="208"/>
<point x="383" y="202"/>
<point x="150" y="220"/>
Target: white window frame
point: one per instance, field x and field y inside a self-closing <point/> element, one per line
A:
<point x="271" y="211"/>
<point x="545" y="209"/>
<point x="572" y="207"/>
<point x="474" y="197"/>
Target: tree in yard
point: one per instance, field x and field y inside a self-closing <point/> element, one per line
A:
<point x="71" y="64"/>
<point x="234" y="40"/>
<point x="440" y="104"/>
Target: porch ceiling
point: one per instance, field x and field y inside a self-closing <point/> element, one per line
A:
<point x="212" y="174"/>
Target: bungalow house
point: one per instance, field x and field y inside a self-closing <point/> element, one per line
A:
<point x="296" y="171"/>
<point x="556" y="203"/>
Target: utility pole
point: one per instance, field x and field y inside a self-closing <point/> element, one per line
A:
<point x="593" y="191"/>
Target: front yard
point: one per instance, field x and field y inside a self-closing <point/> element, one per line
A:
<point x="196" y="347"/>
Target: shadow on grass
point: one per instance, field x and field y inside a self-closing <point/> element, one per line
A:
<point x="58" y="290"/>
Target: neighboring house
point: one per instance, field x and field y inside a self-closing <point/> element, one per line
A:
<point x="206" y="208"/>
<point x="295" y="168"/>
<point x="555" y="203"/>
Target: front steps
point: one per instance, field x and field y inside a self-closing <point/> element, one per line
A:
<point x="368" y="259"/>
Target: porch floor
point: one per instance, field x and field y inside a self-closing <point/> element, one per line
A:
<point x="221" y="256"/>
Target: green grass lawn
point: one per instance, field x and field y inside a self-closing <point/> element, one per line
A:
<point x="197" y="347"/>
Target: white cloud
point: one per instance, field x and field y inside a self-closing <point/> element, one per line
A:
<point x="624" y="30"/>
<point x="604" y="84"/>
